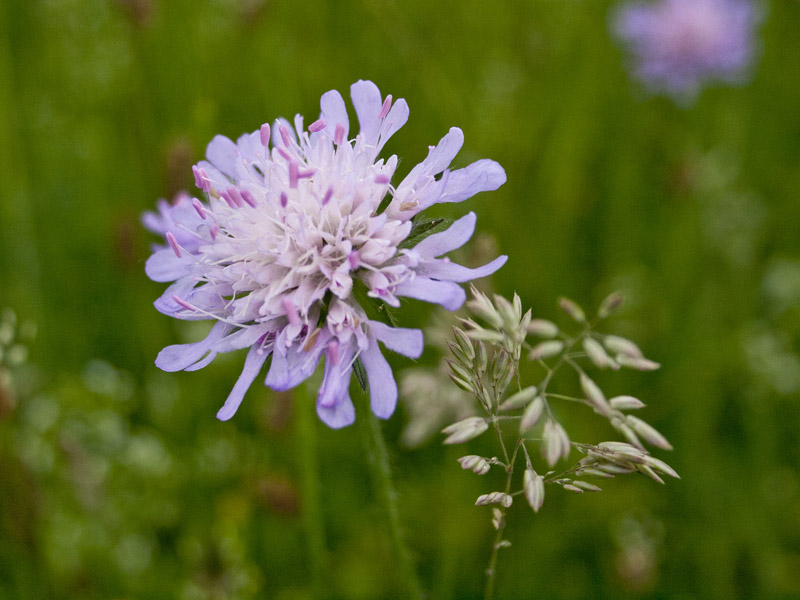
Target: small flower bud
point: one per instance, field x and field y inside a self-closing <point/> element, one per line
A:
<point x="519" y="399"/>
<point x="517" y="303"/>
<point x="542" y="328"/>
<point x="464" y="385"/>
<point x="477" y="464"/>
<point x="458" y="353"/>
<point x="464" y="343"/>
<point x="610" y="304"/>
<point x="595" y="395"/>
<point x="494" y="498"/>
<point x="572" y="309"/>
<point x="482" y="306"/>
<point x="522" y="329"/>
<point x="640" y="364"/>
<point x="660" y="465"/>
<point x="546" y="349"/>
<point x="459" y="370"/>
<point x="497" y="518"/>
<point x="598" y="355"/>
<point x="621" y="345"/>
<point x="615" y="469"/>
<point x="649" y="433"/>
<point x="505" y="371"/>
<point x="481" y="359"/>
<point x="486" y="335"/>
<point x="590" y="472"/>
<point x="572" y="488"/>
<point x="532" y="414"/>
<point x="508" y="312"/>
<point x="555" y="442"/>
<point x="625" y="403"/>
<point x="629" y="434"/>
<point x="624" y="452"/>
<point x="465" y="430"/>
<point x="650" y="473"/>
<point x="533" y="486"/>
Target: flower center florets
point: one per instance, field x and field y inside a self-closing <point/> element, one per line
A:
<point x="289" y="236"/>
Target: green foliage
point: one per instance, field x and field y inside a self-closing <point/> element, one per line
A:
<point x="117" y="481"/>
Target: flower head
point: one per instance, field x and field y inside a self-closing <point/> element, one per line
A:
<point x="301" y="236"/>
<point x="679" y="45"/>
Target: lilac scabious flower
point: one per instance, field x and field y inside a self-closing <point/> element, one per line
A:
<point x="679" y="45"/>
<point x="301" y="236"/>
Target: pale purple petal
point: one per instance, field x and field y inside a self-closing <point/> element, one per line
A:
<point x="397" y="117"/>
<point x="249" y="145"/>
<point x="214" y="174"/>
<point x="204" y="362"/>
<point x="444" y="270"/>
<point x="334" y="112"/>
<point x="481" y="176"/>
<point x="382" y="386"/>
<point x="368" y="103"/>
<point x="206" y="299"/>
<point x="165" y="304"/>
<point x="408" y="342"/>
<point x="440" y="156"/>
<point x="438" y="159"/>
<point x="252" y="366"/>
<point x="333" y="402"/>
<point x="291" y="366"/>
<point x="446" y="293"/>
<point x="335" y="383"/>
<point x="244" y="337"/>
<point x="164" y="265"/>
<point x="339" y="415"/>
<point x="453" y="237"/>
<point x="224" y="155"/>
<point x="179" y="356"/>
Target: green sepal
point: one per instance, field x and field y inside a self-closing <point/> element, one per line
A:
<point x="361" y="374"/>
<point x="377" y="310"/>
<point x="422" y="228"/>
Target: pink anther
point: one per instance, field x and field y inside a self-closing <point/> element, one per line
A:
<point x="173" y="244"/>
<point x="198" y="206"/>
<point x="285" y="136"/>
<point x="338" y="134"/>
<point x="248" y="197"/>
<point x="326" y="198"/>
<point x="183" y="303"/>
<point x="317" y="125"/>
<point x="265" y="133"/>
<point x="387" y="104"/>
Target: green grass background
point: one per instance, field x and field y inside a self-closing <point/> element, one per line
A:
<point x="117" y="482"/>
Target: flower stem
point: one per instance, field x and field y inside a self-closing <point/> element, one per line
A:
<point x="312" y="509"/>
<point x="491" y="570"/>
<point x="378" y="460"/>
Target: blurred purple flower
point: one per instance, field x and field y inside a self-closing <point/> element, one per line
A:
<point x="293" y="244"/>
<point x="679" y="45"/>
